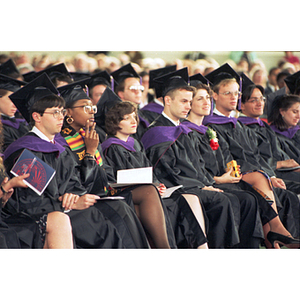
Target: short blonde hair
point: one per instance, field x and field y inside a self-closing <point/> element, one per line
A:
<point x="223" y="82"/>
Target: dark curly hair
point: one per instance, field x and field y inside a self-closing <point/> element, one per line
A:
<point x="116" y="114"/>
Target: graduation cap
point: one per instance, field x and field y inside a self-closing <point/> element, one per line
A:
<point x="29" y="76"/>
<point x="293" y="82"/>
<point x="172" y="81"/>
<point x="10" y="84"/>
<point x="53" y="72"/>
<point x="79" y="75"/>
<point x="125" y="72"/>
<point x="9" y="69"/>
<point x="106" y="102"/>
<point x="225" y="72"/>
<point x="199" y="78"/>
<point x="102" y="78"/>
<point x="37" y="89"/>
<point x="221" y="73"/>
<point x="56" y="71"/>
<point x="159" y="72"/>
<point x="73" y="92"/>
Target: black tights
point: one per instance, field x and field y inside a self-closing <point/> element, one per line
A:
<point x="150" y="212"/>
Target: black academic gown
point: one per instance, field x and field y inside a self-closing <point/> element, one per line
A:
<point x="152" y="110"/>
<point x="12" y="129"/>
<point x="19" y="231"/>
<point x="289" y="141"/>
<point x="94" y="178"/>
<point x="270" y="149"/>
<point x="174" y="163"/>
<point x="242" y="144"/>
<point x="250" y="229"/>
<point x="128" y="155"/>
<point x="101" y="133"/>
<point x="90" y="228"/>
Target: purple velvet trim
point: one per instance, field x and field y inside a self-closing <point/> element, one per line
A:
<point x="33" y="143"/>
<point x="201" y="129"/>
<point x="161" y="134"/>
<point x="145" y="122"/>
<point x="249" y="121"/>
<point x="60" y="139"/>
<point x="13" y="124"/>
<point x="289" y="133"/>
<point x="155" y="107"/>
<point x="129" y="145"/>
<point x="215" y="119"/>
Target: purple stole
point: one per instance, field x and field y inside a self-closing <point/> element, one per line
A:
<point x="34" y="143"/>
<point x="15" y="124"/>
<point x="152" y="106"/>
<point x="289" y="133"/>
<point x="129" y="145"/>
<point x="249" y="121"/>
<point x="143" y="121"/>
<point x="201" y="129"/>
<point x="161" y="134"/>
<point x="215" y="119"/>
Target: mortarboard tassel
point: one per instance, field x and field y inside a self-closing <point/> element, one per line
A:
<point x="112" y="83"/>
<point x="240" y="97"/>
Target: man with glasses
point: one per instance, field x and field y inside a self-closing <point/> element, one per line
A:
<point x="39" y="103"/>
<point x="252" y="107"/>
<point x="129" y="88"/>
<point x="242" y="144"/>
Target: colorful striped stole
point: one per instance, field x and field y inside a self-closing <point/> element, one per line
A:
<point x="76" y="142"/>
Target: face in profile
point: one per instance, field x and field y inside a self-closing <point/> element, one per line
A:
<point x="291" y="116"/>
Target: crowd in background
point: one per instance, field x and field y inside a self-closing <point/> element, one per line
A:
<point x="90" y="62"/>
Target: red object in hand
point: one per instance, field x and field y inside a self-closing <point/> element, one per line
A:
<point x="214" y="144"/>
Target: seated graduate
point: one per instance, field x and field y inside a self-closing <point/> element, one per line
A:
<point x="130" y="89"/>
<point x="175" y="162"/>
<point x="208" y="150"/>
<point x="96" y="87"/>
<point x="241" y="143"/>
<point x="284" y="122"/>
<point x="252" y="105"/>
<point x="124" y="152"/>
<point x="18" y="231"/>
<point x="153" y="109"/>
<point x="13" y="127"/>
<point x="79" y="132"/>
<point x="98" y="83"/>
<point x="65" y="196"/>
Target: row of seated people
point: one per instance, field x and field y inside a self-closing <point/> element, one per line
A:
<point x="187" y="142"/>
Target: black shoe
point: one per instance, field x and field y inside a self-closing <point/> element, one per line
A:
<point x="289" y="242"/>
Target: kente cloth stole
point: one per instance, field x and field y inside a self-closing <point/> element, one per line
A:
<point x="76" y="142"/>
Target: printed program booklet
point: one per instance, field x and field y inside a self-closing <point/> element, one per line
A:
<point x="40" y="173"/>
<point x="135" y="176"/>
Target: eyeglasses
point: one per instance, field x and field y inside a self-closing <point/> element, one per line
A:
<point x="88" y="108"/>
<point x="236" y="93"/>
<point x="134" y="88"/>
<point x="257" y="100"/>
<point x="57" y="113"/>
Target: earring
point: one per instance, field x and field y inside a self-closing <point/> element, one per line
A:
<point x="69" y="120"/>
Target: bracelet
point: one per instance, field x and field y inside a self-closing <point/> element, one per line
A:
<point x="89" y="156"/>
<point x="3" y="190"/>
